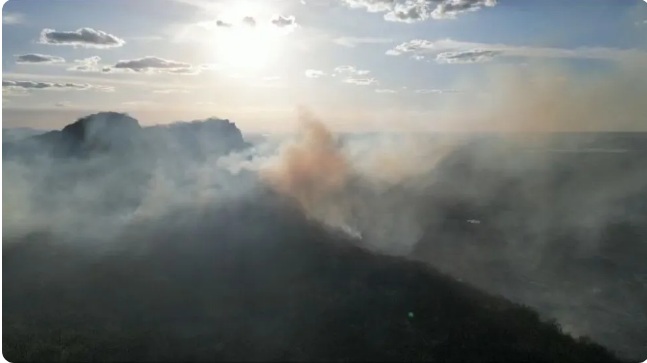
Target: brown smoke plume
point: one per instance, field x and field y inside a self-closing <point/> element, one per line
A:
<point x="349" y="186"/>
<point x="312" y="169"/>
<point x="544" y="98"/>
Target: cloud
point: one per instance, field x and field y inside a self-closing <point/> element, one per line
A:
<point x="469" y="56"/>
<point x="223" y="24"/>
<point x="183" y="71"/>
<point x="411" y="11"/>
<point x="32" y="85"/>
<point x="314" y="73"/>
<point x="385" y="90"/>
<point x="284" y="21"/>
<point x="350" y="70"/>
<point x="155" y="64"/>
<point x="12" y="18"/>
<point x="352" y="75"/>
<point x="286" y="24"/>
<point x="453" y="51"/>
<point x="373" y="6"/>
<point x="38" y="58"/>
<point x="434" y="91"/>
<point x="249" y="21"/>
<point x="90" y="64"/>
<point x="352" y="42"/>
<point x="151" y="64"/>
<point x="83" y="37"/>
<point x="361" y="81"/>
<point x="148" y="62"/>
<point x="40" y="85"/>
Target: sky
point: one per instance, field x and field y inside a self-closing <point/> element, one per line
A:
<point x="358" y="64"/>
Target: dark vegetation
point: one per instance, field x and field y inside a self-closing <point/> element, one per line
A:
<point x="255" y="281"/>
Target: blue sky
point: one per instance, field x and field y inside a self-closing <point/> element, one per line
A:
<point x="359" y="64"/>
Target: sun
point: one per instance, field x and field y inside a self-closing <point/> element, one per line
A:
<point x="248" y="49"/>
<point x="246" y="45"/>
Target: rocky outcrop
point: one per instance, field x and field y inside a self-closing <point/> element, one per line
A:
<point x="197" y="139"/>
<point x="119" y="133"/>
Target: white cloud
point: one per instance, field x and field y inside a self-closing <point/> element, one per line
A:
<point x="314" y="73"/>
<point x="12" y="18"/>
<point x="150" y="64"/>
<point x="283" y="24"/>
<point x="452" y="51"/>
<point x="146" y="65"/>
<point x="361" y="81"/>
<point x="373" y="6"/>
<point x="83" y="37"/>
<point x="32" y="85"/>
<point x="352" y="42"/>
<point x="283" y="21"/>
<point x="468" y="56"/>
<point x="249" y="21"/>
<point x="434" y="91"/>
<point x="385" y="90"/>
<point x="37" y="58"/>
<point x="90" y="64"/>
<point x="223" y="24"/>
<point x="350" y="70"/>
<point x="190" y="71"/>
<point x="411" y="11"/>
<point x="75" y="78"/>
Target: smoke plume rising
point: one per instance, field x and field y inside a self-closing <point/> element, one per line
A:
<point x="311" y="169"/>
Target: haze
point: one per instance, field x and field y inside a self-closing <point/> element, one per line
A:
<point x="343" y="180"/>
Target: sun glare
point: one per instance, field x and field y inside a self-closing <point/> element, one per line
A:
<point x="248" y="49"/>
<point x="246" y="45"/>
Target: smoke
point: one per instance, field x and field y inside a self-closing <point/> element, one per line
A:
<point x="361" y="185"/>
<point x="541" y="97"/>
<point x="558" y="214"/>
<point x="543" y="219"/>
<point x="311" y="169"/>
<point x="80" y="189"/>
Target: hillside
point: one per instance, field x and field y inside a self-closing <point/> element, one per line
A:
<point x="254" y="281"/>
<point x="126" y="242"/>
<point x="559" y="225"/>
